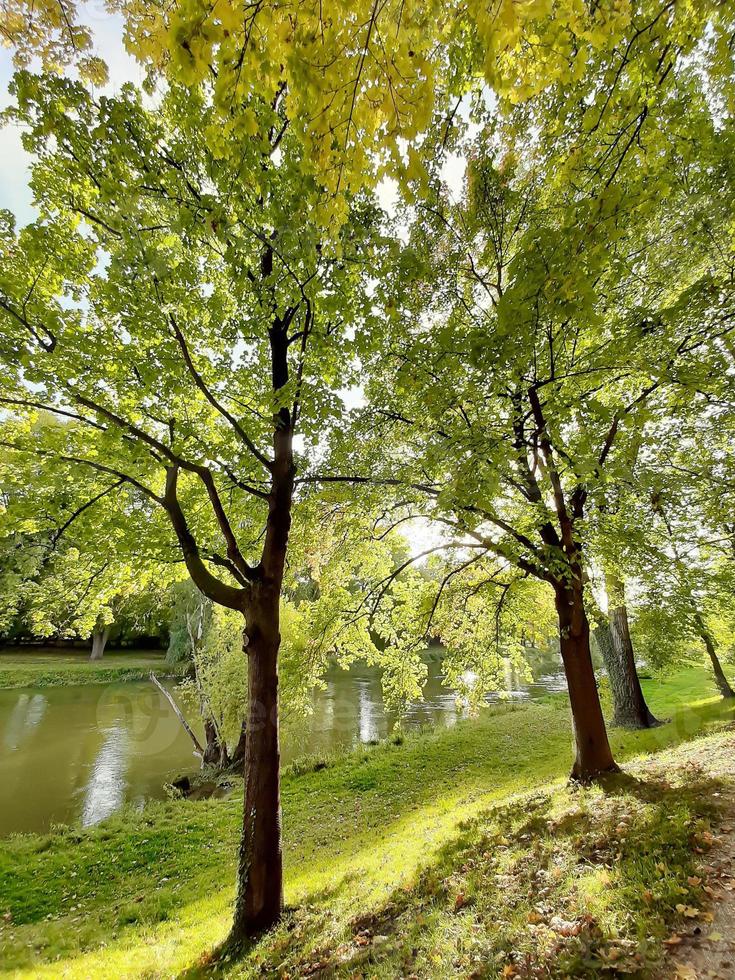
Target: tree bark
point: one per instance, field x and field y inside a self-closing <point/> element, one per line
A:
<point x="215" y="750"/>
<point x="259" y="900"/>
<point x="613" y="638"/>
<point x="237" y="761"/>
<point x="593" y="754"/>
<point x="723" y="685"/>
<point x="99" y="642"/>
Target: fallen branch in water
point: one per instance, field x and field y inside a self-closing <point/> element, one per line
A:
<point x="179" y="714"/>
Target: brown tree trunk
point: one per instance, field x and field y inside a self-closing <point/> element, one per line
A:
<point x="723" y="685"/>
<point x="260" y="871"/>
<point x="593" y="753"/>
<point x="99" y="642"/>
<point x="237" y="761"/>
<point x="215" y="750"/>
<point x="629" y="705"/>
<point x="259" y="901"/>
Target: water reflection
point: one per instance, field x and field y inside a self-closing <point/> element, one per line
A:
<point x="105" y="791"/>
<point x="367" y="723"/>
<point x="78" y="753"/>
<point x="25" y="716"/>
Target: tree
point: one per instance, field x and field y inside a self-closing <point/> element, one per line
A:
<point x="195" y="289"/>
<point x="612" y="635"/>
<point x="184" y="312"/>
<point x="531" y="332"/>
<point x="73" y="572"/>
<point x="687" y="570"/>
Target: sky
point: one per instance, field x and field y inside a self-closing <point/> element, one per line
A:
<point x="14" y="174"/>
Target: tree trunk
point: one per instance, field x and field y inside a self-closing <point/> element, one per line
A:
<point x="237" y="760"/>
<point x="259" y="900"/>
<point x="593" y="753"/>
<point x="723" y="685"/>
<point x="613" y="638"/>
<point x="215" y="750"/>
<point x="99" y="641"/>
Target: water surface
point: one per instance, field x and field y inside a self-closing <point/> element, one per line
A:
<point x="76" y="754"/>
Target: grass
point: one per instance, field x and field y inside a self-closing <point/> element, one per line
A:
<point x="395" y="855"/>
<point x="51" y="669"/>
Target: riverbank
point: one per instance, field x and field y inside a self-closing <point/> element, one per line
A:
<point x="417" y="856"/>
<point x="21" y="668"/>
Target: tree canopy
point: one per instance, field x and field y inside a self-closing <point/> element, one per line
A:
<point x="264" y="373"/>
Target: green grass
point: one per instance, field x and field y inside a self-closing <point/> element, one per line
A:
<point x="388" y="836"/>
<point x="52" y="669"/>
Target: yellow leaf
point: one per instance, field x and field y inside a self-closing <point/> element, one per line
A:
<point x="685" y="972"/>
<point x="688" y="911"/>
<point x="249" y="122"/>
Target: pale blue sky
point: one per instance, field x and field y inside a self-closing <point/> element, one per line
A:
<point x="14" y="191"/>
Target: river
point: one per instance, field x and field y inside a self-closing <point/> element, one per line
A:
<point x="76" y="754"/>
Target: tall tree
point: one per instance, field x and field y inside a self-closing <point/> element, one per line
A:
<point x="686" y="571"/>
<point x="180" y="308"/>
<point x="531" y="332"/>
<point x="612" y="635"/>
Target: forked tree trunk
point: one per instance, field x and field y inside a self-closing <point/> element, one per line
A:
<point x="99" y="642"/>
<point x="260" y="871"/>
<point x="723" y="685"/>
<point x="593" y="753"/>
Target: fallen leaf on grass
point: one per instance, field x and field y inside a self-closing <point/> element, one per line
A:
<point x="564" y="927"/>
<point x="686" y="972"/>
<point x="688" y="911"/>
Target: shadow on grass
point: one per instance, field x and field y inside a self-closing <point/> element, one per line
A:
<point x="300" y="927"/>
<point x="571" y="883"/>
<point x="684" y="724"/>
<point x="140" y="869"/>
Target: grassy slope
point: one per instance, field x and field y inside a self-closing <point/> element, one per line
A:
<point x="147" y="893"/>
<point x="55" y="670"/>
